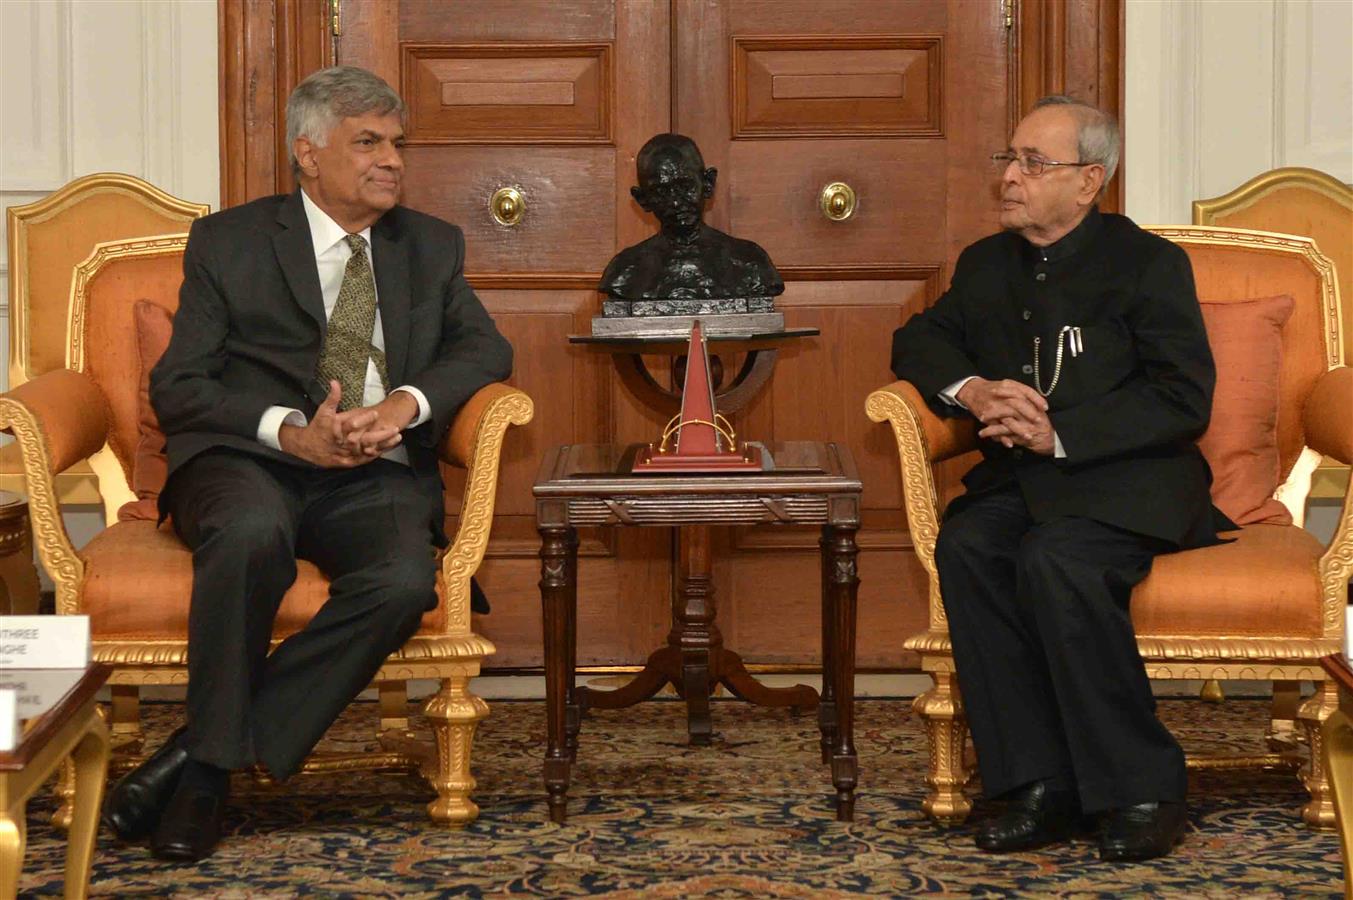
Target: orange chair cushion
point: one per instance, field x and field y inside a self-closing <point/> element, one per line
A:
<point x="150" y="467"/>
<point x="139" y="578"/>
<point x="1241" y="443"/>
<point x="1262" y="584"/>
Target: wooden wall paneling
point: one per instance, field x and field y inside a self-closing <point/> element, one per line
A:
<point x="813" y="396"/>
<point x="856" y="280"/>
<point x="1072" y="47"/>
<point x="267" y="48"/>
<point x="546" y="93"/>
<point x="774" y="188"/>
<point x="554" y="100"/>
<point x="568" y="225"/>
<point x="671" y="70"/>
<point x="837" y="85"/>
<point x="513" y="20"/>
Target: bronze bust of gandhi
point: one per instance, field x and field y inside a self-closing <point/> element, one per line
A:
<point x="688" y="268"/>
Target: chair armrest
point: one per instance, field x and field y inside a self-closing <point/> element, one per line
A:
<point x="1328" y="416"/>
<point x="923" y="439"/>
<point x="475" y="442"/>
<point x="57" y="419"/>
<point x="944" y="438"/>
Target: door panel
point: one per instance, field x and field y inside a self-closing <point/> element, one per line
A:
<point x="553" y="98"/>
<point x="904" y="102"/>
<point x="568" y="224"/>
<point x="901" y="100"/>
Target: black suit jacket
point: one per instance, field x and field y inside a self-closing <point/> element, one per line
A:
<point x="250" y="325"/>
<point x="1128" y="409"/>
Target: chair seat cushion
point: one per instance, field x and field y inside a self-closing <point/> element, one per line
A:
<point x="1263" y="584"/>
<point x="138" y="580"/>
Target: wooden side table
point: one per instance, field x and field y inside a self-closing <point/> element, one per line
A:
<point x="1337" y="735"/>
<point x="72" y="728"/>
<point x="591" y="485"/>
<point x="18" y="575"/>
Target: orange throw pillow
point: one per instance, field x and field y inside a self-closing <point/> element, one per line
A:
<point x="1241" y="443"/>
<point x="150" y="467"/>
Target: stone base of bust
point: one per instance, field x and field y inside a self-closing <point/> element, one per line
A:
<point x="680" y="326"/>
<point x="681" y="307"/>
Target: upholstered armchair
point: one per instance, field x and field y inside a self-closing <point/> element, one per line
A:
<point x="133" y="579"/>
<point x="47" y="239"/>
<point x="1265" y="607"/>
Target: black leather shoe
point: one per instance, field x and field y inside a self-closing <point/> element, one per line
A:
<point x="1143" y="831"/>
<point x="136" y="801"/>
<point x="190" y="828"/>
<point x="1034" y="817"/>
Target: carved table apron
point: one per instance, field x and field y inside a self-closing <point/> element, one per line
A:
<point x="591" y="485"/>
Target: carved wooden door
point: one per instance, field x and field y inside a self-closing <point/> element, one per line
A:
<point x="901" y="101"/>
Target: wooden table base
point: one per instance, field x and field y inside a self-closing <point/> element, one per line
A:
<point x="695" y="661"/>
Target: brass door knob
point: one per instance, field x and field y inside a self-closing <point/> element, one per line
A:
<point x="507" y="206"/>
<point x="837" y="201"/>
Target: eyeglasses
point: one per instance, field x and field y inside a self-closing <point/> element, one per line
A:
<point x="1030" y="164"/>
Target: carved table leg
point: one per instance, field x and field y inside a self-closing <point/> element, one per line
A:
<point x="826" y="712"/>
<point x="694" y="631"/>
<point x="844" y="588"/>
<point x="558" y="561"/>
<point x="573" y="711"/>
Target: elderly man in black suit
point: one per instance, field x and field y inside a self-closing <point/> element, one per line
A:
<point x="1076" y="339"/>
<point x="323" y="343"/>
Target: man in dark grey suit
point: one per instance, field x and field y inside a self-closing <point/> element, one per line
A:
<point x="323" y="343"/>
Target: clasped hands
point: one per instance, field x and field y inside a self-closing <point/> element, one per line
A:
<point x="342" y="440"/>
<point x="1011" y="412"/>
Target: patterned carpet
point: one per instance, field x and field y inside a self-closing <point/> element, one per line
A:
<point x="749" y="817"/>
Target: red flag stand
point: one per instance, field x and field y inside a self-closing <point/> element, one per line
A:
<point x="698" y="439"/>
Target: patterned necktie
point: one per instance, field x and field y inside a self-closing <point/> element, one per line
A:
<point x="347" y="343"/>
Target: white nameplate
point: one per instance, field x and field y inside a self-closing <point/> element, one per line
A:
<point x="44" y="642"/>
<point x="1348" y="634"/>
<point x="9" y="720"/>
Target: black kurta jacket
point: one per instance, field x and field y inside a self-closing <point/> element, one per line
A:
<point x="1128" y="408"/>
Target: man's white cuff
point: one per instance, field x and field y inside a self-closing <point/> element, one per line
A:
<point x="274" y="417"/>
<point x="950" y="394"/>
<point x="1058" y="451"/>
<point x="424" y="408"/>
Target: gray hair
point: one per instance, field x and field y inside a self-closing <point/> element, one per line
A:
<point x="331" y="94"/>
<point x="1098" y="139"/>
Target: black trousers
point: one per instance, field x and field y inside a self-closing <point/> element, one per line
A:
<point x="247" y="520"/>
<point x="1047" y="659"/>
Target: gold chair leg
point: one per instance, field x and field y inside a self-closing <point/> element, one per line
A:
<point x="941" y="709"/>
<point x="124" y="718"/>
<point x="1283" y="731"/>
<point x="454" y="714"/>
<point x="1319" y="812"/>
<point x="394" y="700"/>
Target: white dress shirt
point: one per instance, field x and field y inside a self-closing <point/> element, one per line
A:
<point x="331" y="259"/>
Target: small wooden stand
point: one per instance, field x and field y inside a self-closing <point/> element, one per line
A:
<point x="703" y="442"/>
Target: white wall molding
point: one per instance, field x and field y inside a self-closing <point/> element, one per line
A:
<point x="34" y="107"/>
<point x="1220" y="91"/>
<point x="1313" y="86"/>
<point x="105" y="85"/>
